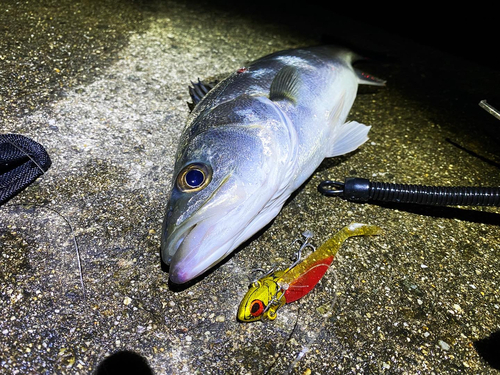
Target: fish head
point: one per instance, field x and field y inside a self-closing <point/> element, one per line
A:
<point x="224" y="178"/>
<point x="262" y="300"/>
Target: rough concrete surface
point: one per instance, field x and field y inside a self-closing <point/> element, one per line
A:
<point x="103" y="86"/>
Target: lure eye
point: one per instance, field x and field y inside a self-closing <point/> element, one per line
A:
<point x="194" y="177"/>
<point x="256" y="307"/>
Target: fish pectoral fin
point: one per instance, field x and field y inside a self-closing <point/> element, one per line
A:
<point x="285" y="85"/>
<point x="348" y="137"/>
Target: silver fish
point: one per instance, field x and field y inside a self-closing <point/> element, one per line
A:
<point x="249" y="143"/>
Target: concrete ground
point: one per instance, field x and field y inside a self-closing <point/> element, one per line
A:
<point x="103" y="86"/>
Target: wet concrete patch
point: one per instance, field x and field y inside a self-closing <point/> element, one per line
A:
<point x="49" y="46"/>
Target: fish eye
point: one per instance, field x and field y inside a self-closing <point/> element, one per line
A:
<point x="256" y="307"/>
<point x="194" y="177"/>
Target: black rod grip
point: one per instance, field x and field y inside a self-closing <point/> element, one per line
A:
<point x="362" y="190"/>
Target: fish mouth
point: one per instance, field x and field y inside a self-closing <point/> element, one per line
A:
<point x="211" y="233"/>
<point x="207" y="242"/>
<point x="167" y="250"/>
<point x="206" y="237"/>
<point x="177" y="237"/>
<point x="198" y="248"/>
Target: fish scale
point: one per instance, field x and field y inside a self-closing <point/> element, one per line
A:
<point x="253" y="139"/>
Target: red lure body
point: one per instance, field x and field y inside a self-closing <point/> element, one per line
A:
<point x="307" y="281"/>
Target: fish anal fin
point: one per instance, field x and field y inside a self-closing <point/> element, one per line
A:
<point x="348" y="137"/>
<point x="285" y="85"/>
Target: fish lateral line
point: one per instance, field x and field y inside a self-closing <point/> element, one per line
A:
<point x="253" y="124"/>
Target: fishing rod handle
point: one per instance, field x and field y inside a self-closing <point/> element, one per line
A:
<point x="362" y="190"/>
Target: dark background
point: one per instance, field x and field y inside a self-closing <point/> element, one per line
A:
<point x="469" y="32"/>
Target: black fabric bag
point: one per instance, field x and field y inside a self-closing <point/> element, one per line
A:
<point x="22" y="161"/>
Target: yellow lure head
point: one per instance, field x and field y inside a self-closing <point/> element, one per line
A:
<point x="263" y="298"/>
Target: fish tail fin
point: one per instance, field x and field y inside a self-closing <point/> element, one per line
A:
<point x="351" y="57"/>
<point x="368" y="79"/>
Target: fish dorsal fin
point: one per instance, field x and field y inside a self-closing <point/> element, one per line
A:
<point x="285" y="85"/>
<point x="367" y="79"/>
<point x="348" y="137"/>
<point x="198" y="91"/>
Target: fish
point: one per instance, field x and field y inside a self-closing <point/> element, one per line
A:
<point x="277" y="288"/>
<point x="250" y="141"/>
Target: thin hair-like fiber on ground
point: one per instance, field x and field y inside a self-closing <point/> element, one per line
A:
<point x="75" y="242"/>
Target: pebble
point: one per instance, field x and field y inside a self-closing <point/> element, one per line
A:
<point x="444" y="345"/>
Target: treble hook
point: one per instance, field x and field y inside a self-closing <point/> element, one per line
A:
<point x="307" y="236"/>
<point x="263" y="271"/>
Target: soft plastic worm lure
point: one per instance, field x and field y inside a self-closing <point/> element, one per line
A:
<point x="266" y="295"/>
